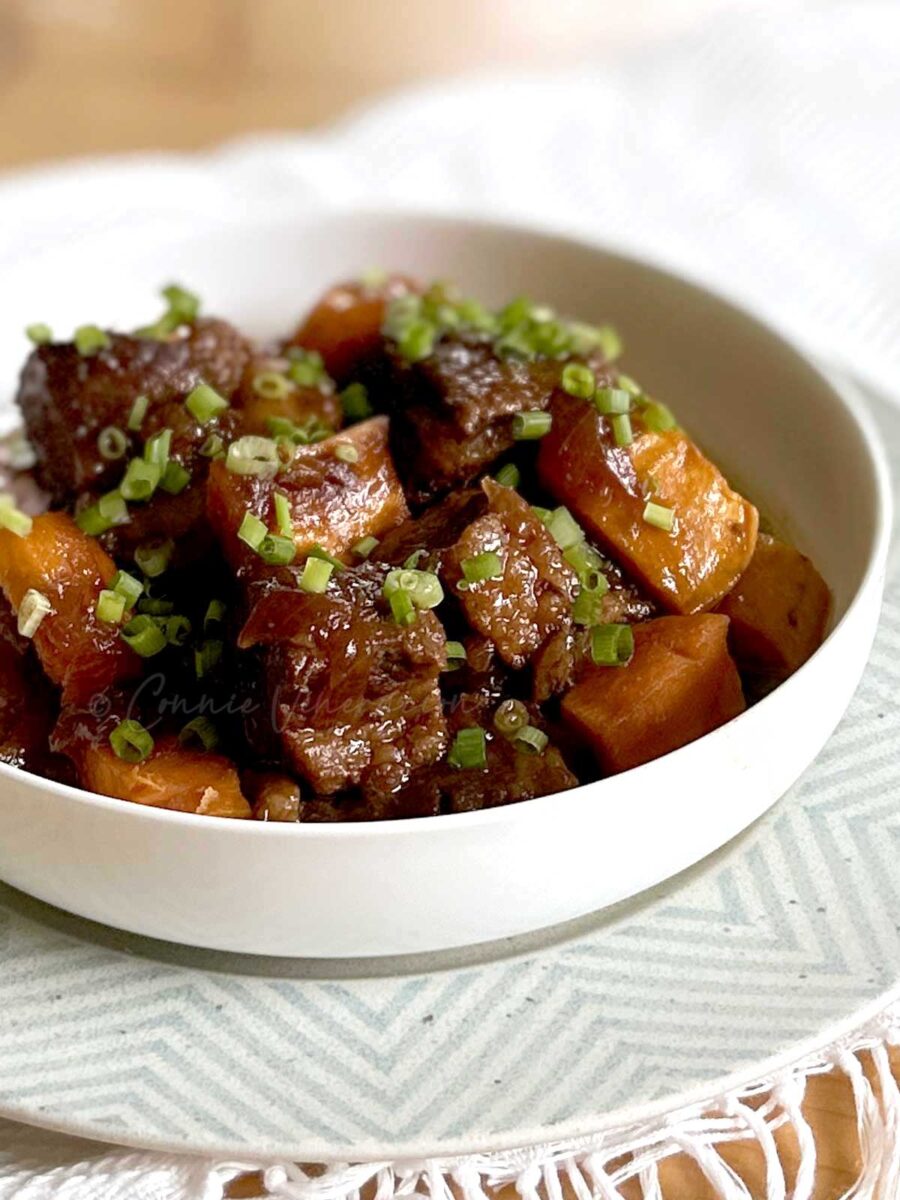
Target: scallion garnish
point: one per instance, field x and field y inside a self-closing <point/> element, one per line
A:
<point x="32" y="610"/>
<point x="564" y="529"/>
<point x="183" y="305"/>
<point x="207" y="656"/>
<point x="318" y="551"/>
<point x="456" y="655"/>
<point x="144" y="635"/>
<point x="623" y="434"/>
<point x="315" y="576"/>
<point x="214" y="615"/>
<point x="200" y="731"/>
<point x="90" y="521"/>
<point x="177" y="629"/>
<point x="469" y="749"/>
<point x="403" y="608"/>
<point x="90" y="339"/>
<point x="346" y="452"/>
<point x="355" y="402"/>
<point x="365" y="546"/>
<point x="417" y="340"/>
<point x="140" y="480"/>
<point x="306" y="368"/>
<point x="131" y="742"/>
<point x="587" y="607"/>
<point x="532" y="739"/>
<point x="530" y="425"/>
<point x="175" y="478"/>
<point x="611" y="401"/>
<point x="509" y="475"/>
<point x="612" y="645"/>
<point x="39" y="333"/>
<point x="424" y="587"/>
<point x="252" y="530"/>
<point x="110" y="606"/>
<point x="126" y="585"/>
<point x="213" y="446"/>
<point x="157" y="447"/>
<point x="587" y="565"/>
<point x="137" y="414"/>
<point x="272" y="385"/>
<point x="153" y="557"/>
<point x="629" y="384"/>
<point x="253" y="455"/>
<point x="283" y="514"/>
<point x="205" y="404"/>
<point x="510" y="717"/>
<point x="658" y="417"/>
<point x="12" y="518"/>
<point x="659" y="516"/>
<point x="276" y="550"/>
<point x="578" y="380"/>
<point x="112" y="508"/>
<point x="156" y="606"/>
<point x="487" y="565"/>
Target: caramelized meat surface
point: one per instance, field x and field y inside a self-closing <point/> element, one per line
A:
<point x="68" y="398"/>
<point x="80" y="653"/>
<point x="353" y="694"/>
<point x="333" y="503"/>
<point x="530" y="596"/>
<point x="688" y="569"/>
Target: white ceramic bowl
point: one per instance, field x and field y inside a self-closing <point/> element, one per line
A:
<point x="794" y="441"/>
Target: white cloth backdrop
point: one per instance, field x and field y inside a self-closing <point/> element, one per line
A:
<point x="759" y="151"/>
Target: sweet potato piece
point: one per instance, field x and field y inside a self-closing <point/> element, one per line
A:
<point x="67" y="398"/>
<point x="345" y="325"/>
<point x="80" y="653"/>
<point x="688" y="570"/>
<point x="778" y="609"/>
<point x="333" y="503"/>
<point x="532" y="597"/>
<point x="680" y="684"/>
<point x="354" y="695"/>
<point x="172" y="776"/>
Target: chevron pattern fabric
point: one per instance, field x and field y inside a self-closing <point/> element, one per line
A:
<point x="757" y="952"/>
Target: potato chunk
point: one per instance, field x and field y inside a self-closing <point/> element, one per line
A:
<point x="345" y="325"/>
<point x="606" y="486"/>
<point x="80" y="653"/>
<point x="172" y="776"/>
<point x="354" y="695"/>
<point x="531" y="596"/>
<point x="680" y="684"/>
<point x="778" y="609"/>
<point x="333" y="503"/>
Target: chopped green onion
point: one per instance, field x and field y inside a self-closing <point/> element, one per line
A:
<point x="276" y="550"/>
<point x="532" y="739"/>
<point x="510" y="717"/>
<point x="110" y="606"/>
<point x="137" y="414"/>
<point x="412" y="560"/>
<point x="153" y="557"/>
<point x="183" y="305"/>
<point x="39" y="333"/>
<point x="542" y="514"/>
<point x="658" y="417"/>
<point x="281" y="427"/>
<point x="629" y="385"/>
<point x="112" y="508"/>
<point x="252" y="530"/>
<point x="175" y="478"/>
<point x="469" y="749"/>
<point x="426" y="591"/>
<point x="144" y="636"/>
<point x="32" y="610"/>
<point x="417" y="340"/>
<point x="131" y="742"/>
<point x="200" y="730"/>
<point x="531" y="424"/>
<point x="272" y="385"/>
<point x="140" y="480"/>
<point x="156" y="607"/>
<point x="90" y="339"/>
<point x="126" y="585"/>
<point x="479" y="567"/>
<point x="90" y="521"/>
<point x="283" y="514"/>
<point x="587" y="565"/>
<point x="12" y="518"/>
<point x="177" y="630"/>
<point x="208" y="656"/>
<point x="578" y="380"/>
<point x="623" y="435"/>
<point x="318" y="551"/>
<point x="316" y="575"/>
<point x="213" y="446"/>
<point x="346" y="452"/>
<point x="373" y="278"/>
<point x="355" y="402"/>
<point x="564" y="529"/>
<point x="403" y="608"/>
<point x="587" y="607"/>
<point x="612" y="645"/>
<point x="252" y="455"/>
<point x="456" y="655"/>
<point x="157" y="447"/>
<point x="205" y="404"/>
<point x="365" y="546"/>
<point x="509" y="475"/>
<point x="609" y="342"/>
<point x="214" y="615"/>
<point x="659" y="515"/>
<point x="610" y="401"/>
<point x="306" y="368"/>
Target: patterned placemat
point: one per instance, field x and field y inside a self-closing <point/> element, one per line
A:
<point x="772" y="945"/>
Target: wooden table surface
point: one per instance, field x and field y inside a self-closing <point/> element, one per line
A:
<point x="98" y="76"/>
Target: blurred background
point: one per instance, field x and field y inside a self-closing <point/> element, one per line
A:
<point x="90" y="76"/>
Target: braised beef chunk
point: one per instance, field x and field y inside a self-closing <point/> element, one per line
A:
<point x="434" y="531"/>
<point x="68" y="398"/>
<point x="354" y="695"/>
<point x="529" y="587"/>
<point x="333" y="501"/>
<point x="453" y="412"/>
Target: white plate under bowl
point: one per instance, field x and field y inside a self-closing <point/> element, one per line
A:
<point x="799" y="446"/>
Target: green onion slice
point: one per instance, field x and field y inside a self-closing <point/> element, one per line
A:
<point x="315" y="576"/>
<point x="355" y="402"/>
<point x="612" y="645"/>
<point x="469" y="749"/>
<point x="177" y="629"/>
<point x="137" y="414"/>
<point x="12" y="518"/>
<point x="510" y="717"/>
<point x="530" y="425"/>
<point x="480" y="567"/>
<point x="157" y="447"/>
<point x="658" y="417"/>
<point x="144" y="635"/>
<point x="623" y="435"/>
<point x="346" y="452"/>
<point x="90" y="339"/>
<point x="253" y="455"/>
<point x="175" y="478"/>
<point x="403" y="608"/>
<point x="110" y="606"/>
<point x="272" y="385"/>
<point x="365" y="546"/>
<point x="276" y="550"/>
<point x="564" y="529"/>
<point x="612" y="401"/>
<point x="205" y="404"/>
<point x="126" y="585"/>
<point x="659" y="516"/>
<point x="509" y="475"/>
<point x="578" y="380"/>
<point x="214" y="615"/>
<point x="112" y="443"/>
<point x="200" y="731"/>
<point x="252" y="531"/>
<point x="140" y="480"/>
<point x="32" y="610"/>
<point x="39" y="333"/>
<point x="531" y="739"/>
<point x="456" y="655"/>
<point x="131" y="742"/>
<point x="283" y="514"/>
<point x="153" y="557"/>
<point x="207" y="656"/>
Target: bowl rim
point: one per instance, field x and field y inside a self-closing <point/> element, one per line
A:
<point x="843" y="393"/>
